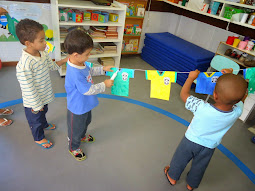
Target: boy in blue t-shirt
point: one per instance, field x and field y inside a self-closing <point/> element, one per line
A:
<point x="81" y="92"/>
<point x="208" y="126"/>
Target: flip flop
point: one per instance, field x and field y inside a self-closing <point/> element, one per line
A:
<point x="49" y="127"/>
<point x="5" y="112"/>
<point x="166" y="169"/>
<point x="41" y="145"/>
<point x="5" y="120"/>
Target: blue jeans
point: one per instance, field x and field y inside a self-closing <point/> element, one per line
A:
<point x="37" y="122"/>
<point x="77" y="127"/>
<point x="186" y="151"/>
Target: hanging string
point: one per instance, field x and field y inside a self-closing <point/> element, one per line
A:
<point x="174" y="71"/>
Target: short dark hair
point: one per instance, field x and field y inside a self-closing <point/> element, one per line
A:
<point x="27" y="30"/>
<point x="77" y="41"/>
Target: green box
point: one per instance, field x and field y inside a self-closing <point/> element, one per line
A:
<point x="229" y="11"/>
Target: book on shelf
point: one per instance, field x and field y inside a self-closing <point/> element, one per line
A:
<point x="96" y="50"/>
<point x="106" y="61"/>
<point x="129" y="47"/>
<point x="108" y="47"/>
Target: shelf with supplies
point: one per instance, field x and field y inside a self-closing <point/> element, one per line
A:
<point x="99" y="40"/>
<point x="133" y="25"/>
<point x="105" y="24"/>
<point x="228" y="8"/>
<point x="226" y="50"/>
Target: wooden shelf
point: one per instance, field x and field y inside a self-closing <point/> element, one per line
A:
<point x="134" y="17"/>
<point x="218" y="16"/>
<point x="129" y="52"/>
<point x="99" y="40"/>
<point x="87" y="5"/>
<point x="252" y="53"/>
<point x="132" y="35"/>
<point x="89" y="23"/>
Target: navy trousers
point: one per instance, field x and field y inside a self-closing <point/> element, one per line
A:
<point x="77" y="127"/>
<point x="186" y="151"/>
<point x="37" y="122"/>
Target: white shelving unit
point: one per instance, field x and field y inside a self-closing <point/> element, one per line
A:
<point x="116" y="7"/>
<point x="220" y="16"/>
<point x="223" y="46"/>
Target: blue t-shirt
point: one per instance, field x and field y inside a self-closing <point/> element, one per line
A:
<point x="78" y="81"/>
<point x="209" y="124"/>
<point x="206" y="83"/>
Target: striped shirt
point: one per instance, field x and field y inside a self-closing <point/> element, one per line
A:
<point x="33" y="75"/>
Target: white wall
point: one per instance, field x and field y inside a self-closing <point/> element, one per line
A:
<point x="201" y="34"/>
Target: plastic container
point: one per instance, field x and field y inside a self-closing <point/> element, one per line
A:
<point x="229" y="11"/>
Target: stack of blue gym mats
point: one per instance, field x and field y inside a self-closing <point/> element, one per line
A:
<point x="167" y="52"/>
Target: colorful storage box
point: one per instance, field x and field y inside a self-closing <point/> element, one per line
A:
<point x="94" y="16"/>
<point x="87" y="16"/>
<point x="77" y="17"/>
<point x="113" y="17"/>
<point x="103" y="17"/>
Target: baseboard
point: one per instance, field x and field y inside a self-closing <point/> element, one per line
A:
<point x="5" y="64"/>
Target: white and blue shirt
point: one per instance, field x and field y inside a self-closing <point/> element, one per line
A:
<point x="81" y="92"/>
<point x="33" y="75"/>
<point x="209" y="123"/>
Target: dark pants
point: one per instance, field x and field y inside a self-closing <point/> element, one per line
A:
<point x="186" y="151"/>
<point x="77" y="127"/>
<point x="37" y="122"/>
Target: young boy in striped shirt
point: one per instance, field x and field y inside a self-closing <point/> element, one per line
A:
<point x="33" y="75"/>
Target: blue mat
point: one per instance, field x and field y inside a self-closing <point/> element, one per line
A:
<point x="169" y="53"/>
<point x="171" y="59"/>
<point x="180" y="46"/>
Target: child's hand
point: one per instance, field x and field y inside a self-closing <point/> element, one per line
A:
<point x="194" y="74"/>
<point x="2" y="11"/>
<point x="108" y="68"/>
<point x="108" y="83"/>
<point x="227" y="70"/>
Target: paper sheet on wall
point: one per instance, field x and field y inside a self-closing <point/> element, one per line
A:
<point x="21" y="10"/>
<point x="160" y="83"/>
<point x="121" y="82"/>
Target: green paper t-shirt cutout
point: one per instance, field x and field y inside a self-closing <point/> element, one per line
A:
<point x="121" y="82"/>
<point x="250" y="74"/>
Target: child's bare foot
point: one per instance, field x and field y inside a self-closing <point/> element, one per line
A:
<point x="44" y="143"/>
<point x="171" y="181"/>
<point x="189" y="187"/>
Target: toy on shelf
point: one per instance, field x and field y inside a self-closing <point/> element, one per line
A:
<point x="113" y="17"/>
<point x="87" y="16"/>
<point x="77" y="16"/>
<point x="95" y="16"/>
<point x="103" y="17"/>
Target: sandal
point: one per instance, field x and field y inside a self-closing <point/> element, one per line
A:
<point x="166" y="169"/>
<point x="50" y="127"/>
<point x="88" y="139"/>
<point x="6" y="122"/>
<point x="7" y="112"/>
<point x="41" y="145"/>
<point x="78" y="154"/>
